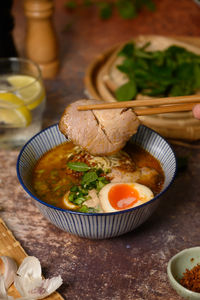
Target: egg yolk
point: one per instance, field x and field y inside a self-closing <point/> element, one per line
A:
<point x="122" y="196"/>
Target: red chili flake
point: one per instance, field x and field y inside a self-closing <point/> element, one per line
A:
<point x="191" y="279"/>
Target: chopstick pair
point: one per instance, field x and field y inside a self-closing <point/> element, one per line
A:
<point x="164" y="105"/>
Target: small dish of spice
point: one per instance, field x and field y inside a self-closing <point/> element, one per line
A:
<point x="184" y="273"/>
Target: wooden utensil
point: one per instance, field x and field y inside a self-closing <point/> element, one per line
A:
<point x="41" y="41"/>
<point x="151" y="106"/>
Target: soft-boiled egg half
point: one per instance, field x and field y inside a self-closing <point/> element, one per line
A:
<point x="119" y="196"/>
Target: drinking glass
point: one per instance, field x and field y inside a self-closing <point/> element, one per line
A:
<point x="22" y="101"/>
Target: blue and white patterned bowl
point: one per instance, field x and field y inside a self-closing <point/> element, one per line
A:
<point x="94" y="225"/>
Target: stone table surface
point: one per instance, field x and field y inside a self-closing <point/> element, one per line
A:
<point x="132" y="266"/>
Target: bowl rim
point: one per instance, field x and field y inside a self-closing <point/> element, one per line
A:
<point x="171" y="277"/>
<point x="91" y="214"/>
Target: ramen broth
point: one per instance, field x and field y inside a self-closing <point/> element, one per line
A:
<point x="53" y="179"/>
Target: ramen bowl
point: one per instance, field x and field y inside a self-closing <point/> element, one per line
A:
<point x="95" y="225"/>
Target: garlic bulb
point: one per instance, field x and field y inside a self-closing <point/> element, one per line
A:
<point x="30" y="267"/>
<point x="29" y="282"/>
<point x="8" y="269"/>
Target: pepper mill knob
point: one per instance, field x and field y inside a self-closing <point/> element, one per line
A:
<point x="41" y="43"/>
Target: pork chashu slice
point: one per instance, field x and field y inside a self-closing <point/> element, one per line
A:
<point x="100" y="132"/>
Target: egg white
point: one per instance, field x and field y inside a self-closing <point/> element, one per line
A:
<point x="145" y="194"/>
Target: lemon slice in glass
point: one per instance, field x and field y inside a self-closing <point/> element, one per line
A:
<point x="28" y="88"/>
<point x="13" y="112"/>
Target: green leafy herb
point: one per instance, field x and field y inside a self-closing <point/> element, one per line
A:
<point x="40" y="171"/>
<point x="105" y="10"/>
<point x="149" y="4"/>
<point x="86" y="209"/>
<point x="197" y="76"/>
<point x="127" y="50"/>
<point x="79" y="200"/>
<point x="87" y="2"/>
<point x="127" y="9"/>
<point x="172" y="72"/>
<point x="54" y="174"/>
<point x="71" y="4"/>
<point x="100" y="185"/>
<point x="89" y="177"/>
<point x="78" y="166"/>
<point x="127" y="91"/>
<point x="57" y="188"/>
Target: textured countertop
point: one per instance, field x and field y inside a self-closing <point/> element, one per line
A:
<point x="133" y="266"/>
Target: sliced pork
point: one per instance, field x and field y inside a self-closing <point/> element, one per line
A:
<point x="100" y="132"/>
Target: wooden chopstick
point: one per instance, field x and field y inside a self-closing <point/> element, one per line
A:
<point x="165" y="105"/>
<point x="164" y="109"/>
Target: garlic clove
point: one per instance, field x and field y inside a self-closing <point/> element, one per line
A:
<point x="45" y="288"/>
<point x="2" y="287"/>
<point x="8" y="269"/>
<point x="37" y="289"/>
<point x="25" y="284"/>
<point x="3" y="293"/>
<point x="29" y="282"/>
<point x="30" y="267"/>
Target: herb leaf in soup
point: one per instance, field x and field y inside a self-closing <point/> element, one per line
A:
<point x="92" y="179"/>
<point x="78" y="166"/>
<point x="86" y="209"/>
<point x="89" y="177"/>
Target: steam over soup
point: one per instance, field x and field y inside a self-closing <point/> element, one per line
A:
<point x="69" y="177"/>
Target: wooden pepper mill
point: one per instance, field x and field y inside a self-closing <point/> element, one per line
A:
<point x="41" y="43"/>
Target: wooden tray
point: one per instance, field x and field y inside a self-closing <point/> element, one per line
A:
<point x="178" y="126"/>
<point x="9" y="246"/>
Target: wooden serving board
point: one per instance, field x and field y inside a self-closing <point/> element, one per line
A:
<point x="93" y="69"/>
<point x="9" y="246"/>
